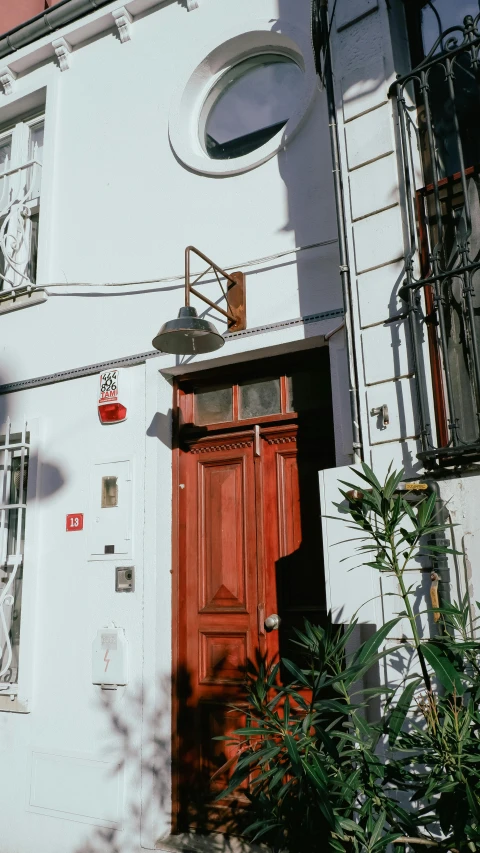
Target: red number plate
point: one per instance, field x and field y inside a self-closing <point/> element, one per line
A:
<point x="74" y="521"/>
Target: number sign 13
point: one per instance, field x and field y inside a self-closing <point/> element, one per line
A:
<point x="74" y="521"/>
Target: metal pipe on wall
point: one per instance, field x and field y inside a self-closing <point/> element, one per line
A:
<point x="322" y="8"/>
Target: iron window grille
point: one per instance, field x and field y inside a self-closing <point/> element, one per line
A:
<point x="439" y="120"/>
<point x="14" y="455"/>
<point x="21" y="147"/>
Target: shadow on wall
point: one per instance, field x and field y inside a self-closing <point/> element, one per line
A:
<point x="306" y="169"/>
<point x="138" y="742"/>
<point x="52" y="477"/>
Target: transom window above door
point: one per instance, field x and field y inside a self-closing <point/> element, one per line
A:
<point x="290" y="390"/>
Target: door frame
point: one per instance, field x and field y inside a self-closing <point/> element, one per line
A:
<point x="214" y="372"/>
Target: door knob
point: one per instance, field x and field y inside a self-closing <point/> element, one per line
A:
<point x="272" y="622"/>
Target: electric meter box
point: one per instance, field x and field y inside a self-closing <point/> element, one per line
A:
<point x="109" y="657"/>
<point x="110" y="511"/>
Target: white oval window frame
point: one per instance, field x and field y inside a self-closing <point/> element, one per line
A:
<point x="185" y="120"/>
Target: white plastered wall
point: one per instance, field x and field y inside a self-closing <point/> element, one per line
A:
<point x="121" y="207"/>
<point x="67" y="765"/>
<point x="118" y="206"/>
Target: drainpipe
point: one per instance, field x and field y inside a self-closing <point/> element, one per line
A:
<point x="64" y="12"/>
<point x="342" y="236"/>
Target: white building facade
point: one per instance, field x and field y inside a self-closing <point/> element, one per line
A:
<point x="128" y="132"/>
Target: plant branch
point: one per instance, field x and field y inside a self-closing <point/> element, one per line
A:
<point x="416" y="638"/>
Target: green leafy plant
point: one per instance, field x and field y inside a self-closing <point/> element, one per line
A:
<point x="324" y="775"/>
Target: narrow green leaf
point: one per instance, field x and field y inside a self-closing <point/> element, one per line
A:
<point x="368" y="475"/>
<point x="333" y="705"/>
<point x="473" y="801"/>
<point x="392" y="483"/>
<point x="291" y="745"/>
<point x="444" y="670"/>
<point x="296" y="672"/>
<point x="372" y="644"/>
<point x="249" y="730"/>
<point x="400" y="711"/>
<point x="346" y="823"/>
<point x="328" y="743"/>
<point x="363" y="727"/>
<point x="378" y="828"/>
<point x="336" y="844"/>
<point x="323" y="801"/>
<point x="385" y="840"/>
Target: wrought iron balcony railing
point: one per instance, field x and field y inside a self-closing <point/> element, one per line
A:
<point x="439" y="119"/>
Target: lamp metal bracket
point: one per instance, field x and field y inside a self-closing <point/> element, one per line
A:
<point x="235" y="292"/>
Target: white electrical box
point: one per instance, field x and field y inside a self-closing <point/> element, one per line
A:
<point x="110" y="528"/>
<point x="109" y="657"/>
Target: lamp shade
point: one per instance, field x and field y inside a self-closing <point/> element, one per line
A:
<point x="188" y="335"/>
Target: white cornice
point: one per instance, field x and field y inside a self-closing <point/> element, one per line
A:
<point x="123" y="19"/>
<point x="7" y="79"/>
<point x="78" y="32"/>
<point x="63" y="49"/>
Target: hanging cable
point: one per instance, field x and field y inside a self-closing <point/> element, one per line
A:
<point x="180" y="277"/>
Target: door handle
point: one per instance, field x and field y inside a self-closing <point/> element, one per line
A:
<point x="272" y="622"/>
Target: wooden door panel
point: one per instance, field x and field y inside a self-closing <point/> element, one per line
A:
<point x="221" y="534"/>
<point x="250" y="546"/>
<point x="288" y="496"/>
<point x="293" y="565"/>
<point x="218" y="759"/>
<point x="218" y="613"/>
<point x="223" y="657"/>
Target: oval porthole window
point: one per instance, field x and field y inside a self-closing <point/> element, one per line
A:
<point x="249" y="105"/>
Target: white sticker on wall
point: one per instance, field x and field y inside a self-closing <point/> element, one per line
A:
<point x="109" y="380"/>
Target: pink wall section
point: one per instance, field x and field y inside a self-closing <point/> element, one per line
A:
<point x="15" y="12"/>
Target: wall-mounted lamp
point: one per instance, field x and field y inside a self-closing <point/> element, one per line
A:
<point x="192" y="335"/>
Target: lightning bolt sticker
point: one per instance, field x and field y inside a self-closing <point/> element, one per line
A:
<point x="106" y="659"/>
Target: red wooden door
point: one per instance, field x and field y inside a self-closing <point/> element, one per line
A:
<point x="218" y="610"/>
<point x="249" y="547"/>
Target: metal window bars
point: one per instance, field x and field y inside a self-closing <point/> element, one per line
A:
<point x="18" y="187"/>
<point x="14" y="450"/>
<point x="439" y="120"/>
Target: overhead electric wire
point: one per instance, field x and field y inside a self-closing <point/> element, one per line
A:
<point x="180" y="277"/>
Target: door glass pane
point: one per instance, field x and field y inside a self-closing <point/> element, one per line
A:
<point x="260" y="397"/>
<point x="304" y="391"/>
<point x="214" y="405"/>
